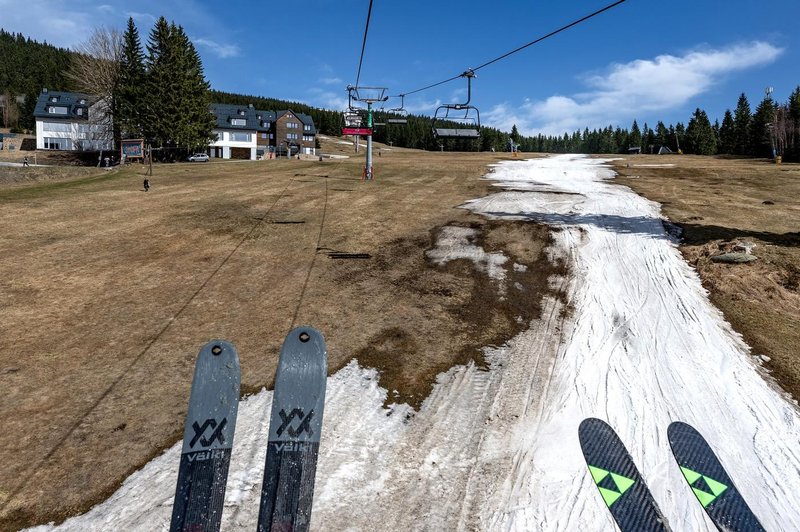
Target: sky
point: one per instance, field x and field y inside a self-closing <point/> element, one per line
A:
<point x="640" y="60"/>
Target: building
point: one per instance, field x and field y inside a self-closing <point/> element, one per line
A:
<point x="76" y="122"/>
<point x="243" y="132"/>
<point x="72" y="122"/>
<point x="235" y="131"/>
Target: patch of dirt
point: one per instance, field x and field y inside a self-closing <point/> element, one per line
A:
<point x="452" y="311"/>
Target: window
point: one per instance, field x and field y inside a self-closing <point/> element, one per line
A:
<point x="241" y="112"/>
<point x="57" y="110"/>
<point x="266" y="124"/>
<point x="306" y="128"/>
<point x="292" y="125"/>
<point x="56" y="144"/>
<point x="263" y="135"/>
<point x="53" y="99"/>
<point x="82" y="101"/>
<point x="308" y="138"/>
<point x="79" y="111"/>
<point x="291" y="136"/>
<point x="240" y="137"/>
<point x="238" y="122"/>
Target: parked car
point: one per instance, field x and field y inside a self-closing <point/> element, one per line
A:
<point x="199" y="158"/>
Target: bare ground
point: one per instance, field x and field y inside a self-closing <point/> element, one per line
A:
<point x="107" y="293"/>
<point x="718" y="202"/>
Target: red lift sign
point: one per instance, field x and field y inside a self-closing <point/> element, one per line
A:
<point x="356" y="131"/>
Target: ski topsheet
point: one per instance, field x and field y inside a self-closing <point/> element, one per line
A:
<point x="207" y="439"/>
<point x="710" y="483"/>
<point x="620" y="484"/>
<point x="294" y="433"/>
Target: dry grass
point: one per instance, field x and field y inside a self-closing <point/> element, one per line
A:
<point x="718" y="202"/>
<point x="108" y="292"/>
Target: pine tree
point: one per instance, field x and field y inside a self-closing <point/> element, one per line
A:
<point x="741" y="127"/>
<point x="131" y="97"/>
<point x="793" y="126"/>
<point x="662" y="135"/>
<point x="700" y="137"/>
<point x="727" y="139"/>
<point x="635" y="137"/>
<point x="761" y="133"/>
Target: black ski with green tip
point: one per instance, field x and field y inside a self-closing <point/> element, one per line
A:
<point x="621" y="486"/>
<point x="294" y="433"/>
<point x="709" y="481"/>
<point x="207" y="440"/>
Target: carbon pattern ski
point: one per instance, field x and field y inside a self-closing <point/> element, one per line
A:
<point x="709" y="481"/>
<point x="621" y="486"/>
<point x="294" y="433"/>
<point x="207" y="440"/>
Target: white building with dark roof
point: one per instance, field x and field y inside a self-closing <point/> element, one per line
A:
<point x="71" y="121"/>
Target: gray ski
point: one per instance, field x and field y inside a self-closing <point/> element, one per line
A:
<point x="294" y="432"/>
<point x="207" y="440"/>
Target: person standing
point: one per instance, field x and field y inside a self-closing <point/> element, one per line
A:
<point x="25" y="161"/>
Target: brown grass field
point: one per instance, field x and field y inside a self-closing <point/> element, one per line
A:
<point x="108" y="292"/>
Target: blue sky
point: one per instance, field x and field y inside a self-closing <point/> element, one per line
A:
<point x="642" y="60"/>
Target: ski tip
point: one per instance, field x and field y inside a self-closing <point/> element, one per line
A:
<point x="219" y="347"/>
<point x="678" y="427"/>
<point x="305" y="335"/>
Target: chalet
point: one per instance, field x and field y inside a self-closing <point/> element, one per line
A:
<point x="235" y="131"/>
<point x="72" y="122"/>
<point x="243" y="132"/>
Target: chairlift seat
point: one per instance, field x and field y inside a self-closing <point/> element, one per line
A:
<point x="397" y="120"/>
<point x="456" y="133"/>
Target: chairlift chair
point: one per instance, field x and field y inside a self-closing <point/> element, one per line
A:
<point x="402" y="119"/>
<point x="467" y="126"/>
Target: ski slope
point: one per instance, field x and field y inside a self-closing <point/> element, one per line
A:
<point x="498" y="449"/>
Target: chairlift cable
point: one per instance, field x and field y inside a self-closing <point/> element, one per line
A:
<point x="520" y="48"/>
<point x="364" y="43"/>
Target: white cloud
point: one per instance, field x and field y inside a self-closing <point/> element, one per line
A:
<point x="140" y="17"/>
<point x="628" y="90"/>
<point x="331" y="81"/>
<point x="220" y="50"/>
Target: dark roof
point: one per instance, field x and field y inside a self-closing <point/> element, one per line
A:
<point x="225" y="112"/>
<point x="74" y="102"/>
<point x="305" y="119"/>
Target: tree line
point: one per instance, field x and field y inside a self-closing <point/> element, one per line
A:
<point x="774" y="128"/>
<point x="158" y="92"/>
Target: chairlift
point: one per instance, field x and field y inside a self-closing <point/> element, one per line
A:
<point x="402" y="119"/>
<point x="467" y="126"/>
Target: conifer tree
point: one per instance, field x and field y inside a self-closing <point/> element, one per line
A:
<point x="727" y="140"/>
<point x="635" y="137"/>
<point x="741" y="127"/>
<point x="131" y="97"/>
<point x="761" y="133"/>
<point x="700" y="137"/>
